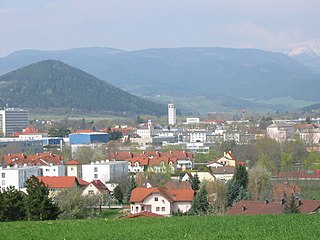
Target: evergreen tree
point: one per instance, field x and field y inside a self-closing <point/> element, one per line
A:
<point x="200" y="203"/>
<point x="237" y="187"/>
<point x="232" y="192"/>
<point x="132" y="185"/>
<point x="11" y="205"/>
<point x="195" y="183"/>
<point x="38" y="204"/>
<point x="118" y="194"/>
<point x="241" y="176"/>
<point x="292" y="206"/>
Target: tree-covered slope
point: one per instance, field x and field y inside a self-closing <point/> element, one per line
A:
<point x="53" y="84"/>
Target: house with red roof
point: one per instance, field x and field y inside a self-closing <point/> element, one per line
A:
<point x="156" y="161"/>
<point x="161" y="200"/>
<point x="229" y="159"/>
<point x="246" y="207"/>
<point x="96" y="187"/>
<point x="56" y="184"/>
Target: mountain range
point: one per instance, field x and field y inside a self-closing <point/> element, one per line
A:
<point x="55" y="87"/>
<point x="196" y="79"/>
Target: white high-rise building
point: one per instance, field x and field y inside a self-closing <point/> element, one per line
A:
<point x="172" y="114"/>
<point x="13" y="120"/>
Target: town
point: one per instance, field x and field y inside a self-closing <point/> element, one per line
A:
<point x="188" y="167"/>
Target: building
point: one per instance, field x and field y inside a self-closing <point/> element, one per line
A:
<point x="73" y="168"/>
<point x="13" y="145"/>
<point x="56" y="184"/>
<point x="105" y="171"/>
<point x="13" y="120"/>
<point x="17" y="176"/>
<point x="172" y="114"/>
<point x="161" y="200"/>
<point x="95" y="187"/>
<point x="281" y="132"/>
<point x="88" y="137"/>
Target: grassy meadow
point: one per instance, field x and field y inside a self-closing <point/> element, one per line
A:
<point x="204" y="227"/>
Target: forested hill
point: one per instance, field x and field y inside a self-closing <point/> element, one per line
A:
<point x="54" y="85"/>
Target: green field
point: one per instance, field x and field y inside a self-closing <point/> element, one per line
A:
<point x="206" y="227"/>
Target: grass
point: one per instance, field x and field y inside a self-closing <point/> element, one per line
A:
<point x="206" y="227"/>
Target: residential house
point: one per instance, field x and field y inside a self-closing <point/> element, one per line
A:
<point x="203" y="176"/>
<point x="224" y="173"/>
<point x="162" y="200"/>
<point x="96" y="187"/>
<point x="56" y="184"/>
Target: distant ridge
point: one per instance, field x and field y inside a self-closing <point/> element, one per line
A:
<point x="192" y="77"/>
<point x="52" y="85"/>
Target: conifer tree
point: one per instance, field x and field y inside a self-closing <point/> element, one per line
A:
<point x="118" y="194"/>
<point x="132" y="185"/>
<point x="38" y="204"/>
<point x="11" y="205"/>
<point x="195" y="183"/>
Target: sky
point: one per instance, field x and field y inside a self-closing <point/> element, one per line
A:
<point x="274" y="25"/>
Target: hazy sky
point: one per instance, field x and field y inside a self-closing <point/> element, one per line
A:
<point x="136" y="24"/>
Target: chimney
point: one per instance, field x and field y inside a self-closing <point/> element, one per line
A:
<point x="243" y="208"/>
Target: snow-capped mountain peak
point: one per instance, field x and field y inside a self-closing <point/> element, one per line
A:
<point x="310" y="48"/>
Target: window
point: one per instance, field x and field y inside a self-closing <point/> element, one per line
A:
<point x="156" y="199"/>
<point x="90" y="192"/>
<point x="3" y="175"/>
<point x="157" y="209"/>
<point x="95" y="176"/>
<point x="163" y="209"/>
<point x="95" y="169"/>
<point x="142" y="208"/>
<point x="3" y="182"/>
<point x="71" y="169"/>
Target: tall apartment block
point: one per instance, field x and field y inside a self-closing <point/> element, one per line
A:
<point x="172" y="115"/>
<point x="13" y="120"/>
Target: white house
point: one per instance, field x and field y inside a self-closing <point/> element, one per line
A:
<point x="105" y="171"/>
<point x="95" y="187"/>
<point x="203" y="176"/>
<point x="17" y="176"/>
<point x="162" y="200"/>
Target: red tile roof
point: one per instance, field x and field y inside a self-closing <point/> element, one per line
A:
<point x="59" y="182"/>
<point x="300" y="175"/>
<point x="245" y="207"/>
<point x="72" y="162"/>
<point x="83" y="183"/>
<point x="173" y="195"/>
<point x="223" y="170"/>
<point x="99" y="185"/>
<point x="38" y="159"/>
